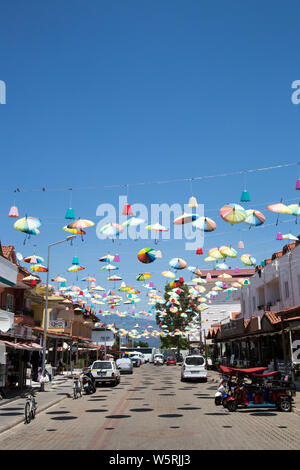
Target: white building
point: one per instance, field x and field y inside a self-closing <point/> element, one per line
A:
<point x="275" y="285"/>
<point x="224" y="305"/>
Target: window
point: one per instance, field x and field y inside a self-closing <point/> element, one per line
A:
<point x="194" y="361"/>
<point x="10" y="302"/>
<point x="254" y="303"/>
<point x="102" y="365"/>
<point x="286" y="289"/>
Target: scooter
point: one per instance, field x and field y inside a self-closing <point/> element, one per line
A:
<point x="224" y="391"/>
<point x="88" y="382"/>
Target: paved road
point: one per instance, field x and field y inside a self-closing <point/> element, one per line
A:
<point x="152" y="409"/>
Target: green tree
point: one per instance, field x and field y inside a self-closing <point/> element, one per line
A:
<point x="174" y="320"/>
<point x="140" y="344"/>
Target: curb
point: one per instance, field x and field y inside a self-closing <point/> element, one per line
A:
<point x="39" y="410"/>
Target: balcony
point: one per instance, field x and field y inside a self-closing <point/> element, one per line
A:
<point x="59" y="326"/>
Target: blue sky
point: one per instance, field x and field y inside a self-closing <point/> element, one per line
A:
<point x="114" y="93"/>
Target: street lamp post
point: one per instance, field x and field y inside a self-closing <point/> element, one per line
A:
<point x="71" y="237"/>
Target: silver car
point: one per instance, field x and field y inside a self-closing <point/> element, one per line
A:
<point x="125" y="365"/>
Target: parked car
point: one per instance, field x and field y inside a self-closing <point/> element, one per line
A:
<point x="105" y="371"/>
<point x="125" y="365"/>
<point x="158" y="359"/>
<point x="136" y="361"/>
<point x="171" y="361"/>
<point x="194" y="367"/>
<point x="139" y="355"/>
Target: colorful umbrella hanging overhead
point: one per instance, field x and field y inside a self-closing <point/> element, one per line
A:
<point x="168" y="274"/>
<point x="216" y="254"/>
<point x="279" y="208"/>
<point x="39" y="268"/>
<point x="287" y="236"/>
<point x="59" y="279"/>
<point x="177" y="263"/>
<point x="28" y="225"/>
<point x="143" y="276"/>
<point x="185" y="219"/>
<point x="106" y="259"/>
<point x="233" y="213"/>
<point x="205" y="223"/>
<point x="228" y="251"/>
<point x="111" y="230"/>
<point x="73" y="230"/>
<point x="156" y="228"/>
<point x="34" y="259"/>
<point x="249" y="260"/>
<point x="147" y="255"/>
<point x="80" y="224"/>
<point x="254" y="218"/>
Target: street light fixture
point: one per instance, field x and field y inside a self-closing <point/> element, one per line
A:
<point x="67" y="239"/>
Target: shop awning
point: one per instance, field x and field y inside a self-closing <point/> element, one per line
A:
<point x="23" y="346"/>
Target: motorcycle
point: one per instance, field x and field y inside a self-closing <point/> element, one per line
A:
<point x="88" y="382"/>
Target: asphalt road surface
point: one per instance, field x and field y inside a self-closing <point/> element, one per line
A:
<point x="152" y="409"/>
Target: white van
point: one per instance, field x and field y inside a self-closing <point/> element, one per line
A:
<point x="194" y="367"/>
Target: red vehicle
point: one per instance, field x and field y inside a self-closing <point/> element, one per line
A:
<point x="171" y="361"/>
<point x="253" y="389"/>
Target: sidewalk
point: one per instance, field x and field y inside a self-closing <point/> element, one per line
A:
<point x="12" y="410"/>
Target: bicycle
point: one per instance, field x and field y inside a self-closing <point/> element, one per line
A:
<point x="30" y="407"/>
<point x="77" y="387"/>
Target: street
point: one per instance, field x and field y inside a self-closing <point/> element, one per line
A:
<point x="151" y="409"/>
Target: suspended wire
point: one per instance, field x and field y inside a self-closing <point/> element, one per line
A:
<point x="143" y="183"/>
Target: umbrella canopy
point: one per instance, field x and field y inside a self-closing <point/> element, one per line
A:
<point x="254" y="217"/>
<point x="31" y="278"/>
<point x="222" y="266"/>
<point x="109" y="267"/>
<point x="28" y="225"/>
<point x="157" y="227"/>
<point x="249" y="260"/>
<point x="107" y="258"/>
<point x="39" y="268"/>
<point x="73" y="230"/>
<point x="114" y="278"/>
<point x="177" y="263"/>
<point x="228" y="251"/>
<point x="80" y="224"/>
<point x="34" y="259"/>
<point x="133" y="222"/>
<point x="59" y="279"/>
<point x="295" y="209"/>
<point x="185" y="219"/>
<point x="168" y="274"/>
<point x="143" y="276"/>
<point x="205" y="223"/>
<point x="279" y="208"/>
<point x="216" y="254"/>
<point x="111" y="230"/>
<point x="89" y="279"/>
<point x="233" y="213"/>
<point x="290" y="236"/>
<point x="224" y="276"/>
<point x="147" y="255"/>
<point x="210" y="258"/>
<point x="74" y="268"/>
